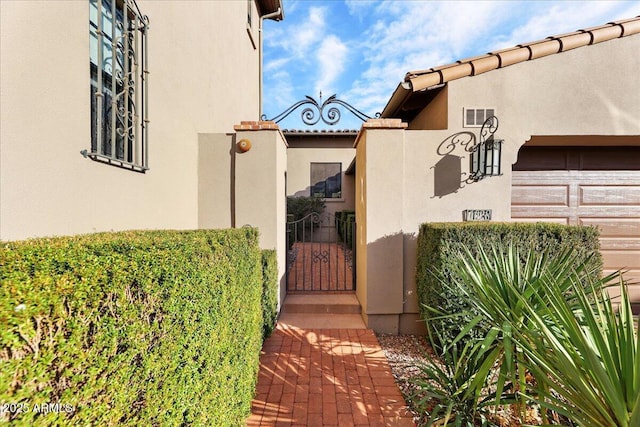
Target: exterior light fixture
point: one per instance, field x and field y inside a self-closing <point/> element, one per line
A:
<point x="486" y="155"/>
<point x="244" y="145"/>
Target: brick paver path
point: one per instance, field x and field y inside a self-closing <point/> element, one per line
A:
<point x="320" y="266"/>
<point x="321" y="377"/>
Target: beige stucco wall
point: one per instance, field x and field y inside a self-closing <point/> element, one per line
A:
<point x="203" y="79"/>
<point x="216" y="180"/>
<point x="317" y="150"/>
<point x="594" y="90"/>
<point x="260" y="199"/>
<point x="362" y="290"/>
<point x="588" y="91"/>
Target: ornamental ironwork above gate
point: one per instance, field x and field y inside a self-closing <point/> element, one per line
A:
<point x="319" y="110"/>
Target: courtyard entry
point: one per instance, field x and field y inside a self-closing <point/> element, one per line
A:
<point x="320" y="253"/>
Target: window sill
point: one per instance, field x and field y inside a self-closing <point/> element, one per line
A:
<point x="250" y="32"/>
<point x="100" y="158"/>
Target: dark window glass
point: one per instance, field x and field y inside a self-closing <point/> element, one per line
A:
<point x="326" y="180"/>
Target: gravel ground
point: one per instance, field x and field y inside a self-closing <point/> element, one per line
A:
<point x="404" y="353"/>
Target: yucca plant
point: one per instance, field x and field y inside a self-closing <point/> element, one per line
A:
<point x="550" y="318"/>
<point x="589" y="354"/>
<point x="502" y="286"/>
<point x="445" y="387"/>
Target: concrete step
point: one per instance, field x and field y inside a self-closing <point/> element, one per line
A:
<point x="321" y="304"/>
<point x="321" y="321"/>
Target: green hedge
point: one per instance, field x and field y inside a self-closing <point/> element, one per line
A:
<point x="439" y="245"/>
<point x="297" y="209"/>
<point x="133" y="328"/>
<point x="345" y="224"/>
<point x="269" y="291"/>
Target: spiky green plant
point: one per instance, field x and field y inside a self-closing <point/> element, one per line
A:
<point x="502" y="285"/>
<point x="589" y="354"/>
<point x="445" y="387"/>
<point x="549" y="316"/>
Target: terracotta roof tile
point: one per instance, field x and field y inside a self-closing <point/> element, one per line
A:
<point x="524" y="52"/>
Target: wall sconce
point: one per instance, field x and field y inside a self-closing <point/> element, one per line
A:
<point x="244" y="145"/>
<point x="486" y="155"/>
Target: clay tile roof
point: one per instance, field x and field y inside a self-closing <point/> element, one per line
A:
<point x="321" y="132"/>
<point x="423" y="79"/>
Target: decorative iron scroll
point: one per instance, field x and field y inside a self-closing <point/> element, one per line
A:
<point x="486" y="154"/>
<point x="320" y="256"/>
<point x="489" y="128"/>
<point x="466" y="140"/>
<point x="316" y="111"/>
<point x="118" y="84"/>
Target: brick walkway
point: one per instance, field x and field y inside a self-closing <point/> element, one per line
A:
<point x="320" y="266"/>
<point x="326" y="377"/>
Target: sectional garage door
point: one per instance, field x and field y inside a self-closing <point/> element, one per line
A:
<point x="597" y="186"/>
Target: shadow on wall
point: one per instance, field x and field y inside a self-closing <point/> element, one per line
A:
<point x="331" y="187"/>
<point x="392" y="299"/>
<point x="448" y="176"/>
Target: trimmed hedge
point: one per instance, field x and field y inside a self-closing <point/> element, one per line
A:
<point x="269" y="291"/>
<point x="297" y="209"/>
<point x="133" y="328"/>
<point x="439" y="245"/>
<point x="345" y="224"/>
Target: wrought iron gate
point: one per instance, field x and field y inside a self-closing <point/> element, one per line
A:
<point x="321" y="253"/>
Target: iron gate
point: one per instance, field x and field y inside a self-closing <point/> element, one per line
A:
<point x="321" y="253"/>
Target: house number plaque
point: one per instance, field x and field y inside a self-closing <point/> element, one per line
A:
<point x="476" y="215"/>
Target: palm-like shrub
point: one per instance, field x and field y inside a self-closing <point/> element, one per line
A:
<point x="590" y="355"/>
<point x="549" y="317"/>
<point x="503" y="286"/>
<point x="446" y="390"/>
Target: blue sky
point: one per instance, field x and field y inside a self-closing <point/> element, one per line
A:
<point x="361" y="49"/>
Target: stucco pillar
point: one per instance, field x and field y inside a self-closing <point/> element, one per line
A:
<point x="379" y="215"/>
<point x="260" y="186"/>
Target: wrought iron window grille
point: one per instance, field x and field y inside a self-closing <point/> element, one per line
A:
<point x="119" y="84"/>
<point x="486" y="155"/>
<point x="317" y="110"/>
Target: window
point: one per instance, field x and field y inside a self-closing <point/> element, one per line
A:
<point x="249" y="13"/>
<point x="250" y="29"/>
<point x="326" y="180"/>
<point x="118" y="86"/>
<point x="475" y="117"/>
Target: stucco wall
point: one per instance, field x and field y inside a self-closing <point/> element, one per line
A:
<point x="594" y="90"/>
<point x="362" y="290"/>
<point x="588" y="91"/>
<point x="300" y="155"/>
<point x="203" y="79"/>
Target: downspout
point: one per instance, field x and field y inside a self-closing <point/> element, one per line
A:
<point x="262" y="18"/>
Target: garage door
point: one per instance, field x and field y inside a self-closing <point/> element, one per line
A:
<point x="597" y="186"/>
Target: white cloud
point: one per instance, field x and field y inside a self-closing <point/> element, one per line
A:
<point x="414" y="35"/>
<point x="566" y="17"/>
<point x="360" y="8"/>
<point x="331" y="57"/>
<point x="299" y="39"/>
<point x="322" y="50"/>
<point x="280" y="92"/>
<point x="276" y="64"/>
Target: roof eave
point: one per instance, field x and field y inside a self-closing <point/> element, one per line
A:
<point x="271" y="9"/>
<point x="399" y="97"/>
